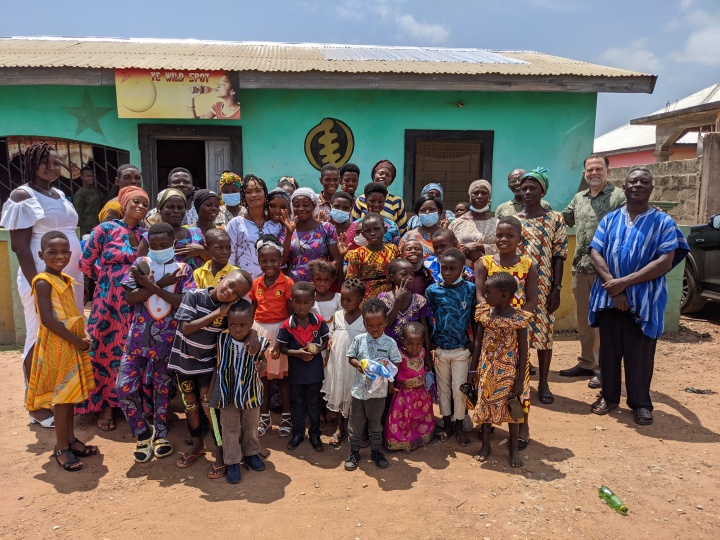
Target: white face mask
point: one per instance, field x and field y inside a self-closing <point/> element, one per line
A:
<point x="481" y="210"/>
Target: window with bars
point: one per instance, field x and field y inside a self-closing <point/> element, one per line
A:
<point x="103" y="160"/>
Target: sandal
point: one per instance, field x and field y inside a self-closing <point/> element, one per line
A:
<point x="186" y="461"/>
<point x="265" y="424"/>
<point x="522" y="443"/>
<point x="643" y="416"/>
<point x="217" y="472"/>
<point x="48" y="423"/>
<point x="546" y="398"/>
<point x="87" y="450"/>
<point x="162" y="448"/>
<point x="144" y="449"/>
<point x="285" y="428"/>
<point x="72" y="463"/>
<point x="335" y="440"/>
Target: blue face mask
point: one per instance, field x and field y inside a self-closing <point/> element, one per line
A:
<point x="231" y="199"/>
<point x="428" y="220"/>
<point x="161" y="256"/>
<point x="458" y="280"/>
<point x="339" y="216"/>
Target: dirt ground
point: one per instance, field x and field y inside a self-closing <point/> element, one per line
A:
<point x="668" y="474"/>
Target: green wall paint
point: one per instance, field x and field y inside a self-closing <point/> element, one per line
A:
<point x="555" y="130"/>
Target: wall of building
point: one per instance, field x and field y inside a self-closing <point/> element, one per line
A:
<point x="675" y="182"/>
<point x="648" y="156"/>
<point x="554" y="130"/>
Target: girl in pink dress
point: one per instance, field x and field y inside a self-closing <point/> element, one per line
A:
<point x="410" y="423"/>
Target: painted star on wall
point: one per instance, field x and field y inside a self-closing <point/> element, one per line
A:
<point x="88" y="115"/>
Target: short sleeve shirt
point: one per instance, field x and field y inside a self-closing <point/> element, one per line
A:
<point x="204" y="277"/>
<point x="367" y="347"/>
<point x="271" y="301"/>
<point x="452" y="307"/>
<point x="297" y="337"/>
<point x="196" y="353"/>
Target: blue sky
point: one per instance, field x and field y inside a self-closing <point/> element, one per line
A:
<point x="679" y="40"/>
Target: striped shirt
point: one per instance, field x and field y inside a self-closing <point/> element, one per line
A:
<point x="196" y="353"/>
<point x="237" y="383"/>
<point x="627" y="247"/>
<point x="394" y="210"/>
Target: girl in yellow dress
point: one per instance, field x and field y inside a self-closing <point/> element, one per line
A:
<point x="508" y="236"/>
<point x="61" y="373"/>
<point x="500" y="360"/>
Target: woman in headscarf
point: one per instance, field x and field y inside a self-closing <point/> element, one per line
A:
<point x="475" y="230"/>
<point x="207" y="206"/>
<point x="110" y="250"/>
<point x="189" y="241"/>
<point x="230" y="196"/>
<point x="545" y="243"/>
<point x="245" y="229"/>
<point x="311" y="239"/>
<point x="446" y="216"/>
<point x="384" y="172"/>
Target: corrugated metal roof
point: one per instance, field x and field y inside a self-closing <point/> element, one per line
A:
<point x="629" y="136"/>
<point x="286" y="57"/>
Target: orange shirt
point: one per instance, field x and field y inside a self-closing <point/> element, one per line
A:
<point x="271" y="302"/>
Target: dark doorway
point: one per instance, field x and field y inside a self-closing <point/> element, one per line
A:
<point x="189" y="154"/>
<point x="451" y="158"/>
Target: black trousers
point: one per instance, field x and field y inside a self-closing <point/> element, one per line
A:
<point x="621" y="338"/>
<point x="306" y="401"/>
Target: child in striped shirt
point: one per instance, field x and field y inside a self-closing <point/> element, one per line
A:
<point x="237" y="390"/>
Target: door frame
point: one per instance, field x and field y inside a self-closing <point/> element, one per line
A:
<point x="486" y="137"/>
<point x="149" y="133"/>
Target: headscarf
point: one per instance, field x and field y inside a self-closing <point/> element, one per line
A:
<point x="202" y="195"/>
<point x="540" y="175"/>
<point x="228" y="178"/>
<point x="386" y="162"/>
<point x="478" y="183"/>
<point x="279" y="192"/>
<point x="165" y="194"/>
<point x="305" y="192"/>
<point x="128" y="193"/>
<point x="433" y="186"/>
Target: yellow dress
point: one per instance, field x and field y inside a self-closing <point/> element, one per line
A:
<point x="60" y="373"/>
<point x="497" y="371"/>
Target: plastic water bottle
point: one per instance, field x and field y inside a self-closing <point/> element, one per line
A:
<point x="612" y="500"/>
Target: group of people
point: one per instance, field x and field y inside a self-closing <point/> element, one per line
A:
<point x="334" y="306"/>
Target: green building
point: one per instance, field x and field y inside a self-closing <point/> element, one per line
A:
<point x="446" y="115"/>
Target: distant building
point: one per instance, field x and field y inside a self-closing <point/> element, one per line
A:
<point x="636" y="143"/>
<point x="274" y="109"/>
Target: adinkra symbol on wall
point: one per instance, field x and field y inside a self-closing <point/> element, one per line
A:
<point x="331" y="141"/>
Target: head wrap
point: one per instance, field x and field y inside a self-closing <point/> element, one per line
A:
<point x="477" y="183"/>
<point x="227" y="179"/>
<point x="433" y="186"/>
<point x="165" y="194"/>
<point x="305" y="192"/>
<point x="279" y="192"/>
<point x="128" y="193"/>
<point x="388" y="164"/>
<point x="540" y="175"/>
<point x="202" y="195"/>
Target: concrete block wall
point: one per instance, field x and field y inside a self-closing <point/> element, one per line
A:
<point x="675" y="181"/>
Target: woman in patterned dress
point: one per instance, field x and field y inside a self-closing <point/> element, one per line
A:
<point x="475" y="230"/>
<point x="545" y="243"/>
<point x="109" y="252"/>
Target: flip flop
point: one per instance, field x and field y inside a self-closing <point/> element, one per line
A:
<point x="217" y="472"/>
<point x="547" y="398"/>
<point x="335" y="440"/>
<point x="186" y="461"/>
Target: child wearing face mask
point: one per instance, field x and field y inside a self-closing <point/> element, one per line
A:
<point x="155" y="285"/>
<point x="340" y="211"/>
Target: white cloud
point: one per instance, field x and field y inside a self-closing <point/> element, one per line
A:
<point x="702" y="45"/>
<point x="556" y="5"/>
<point x="635" y="56"/>
<point x="425" y="32"/>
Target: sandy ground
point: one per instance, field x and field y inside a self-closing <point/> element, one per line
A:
<point x="667" y="474"/>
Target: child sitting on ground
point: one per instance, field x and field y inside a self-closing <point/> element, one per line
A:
<point x="237" y="391"/>
<point x="501" y="350"/>
<point x="339" y="374"/>
<point x="368" y="405"/>
<point x="410" y="423"/>
<point x="155" y="286"/>
<point x="61" y="374"/>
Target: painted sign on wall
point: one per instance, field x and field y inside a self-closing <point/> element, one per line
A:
<point x="330" y="142"/>
<point x="160" y="93"/>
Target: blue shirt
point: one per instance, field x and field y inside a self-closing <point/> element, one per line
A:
<point x="366" y="347"/>
<point x="433" y="264"/>
<point x="628" y="247"/>
<point x="453" y="307"/>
